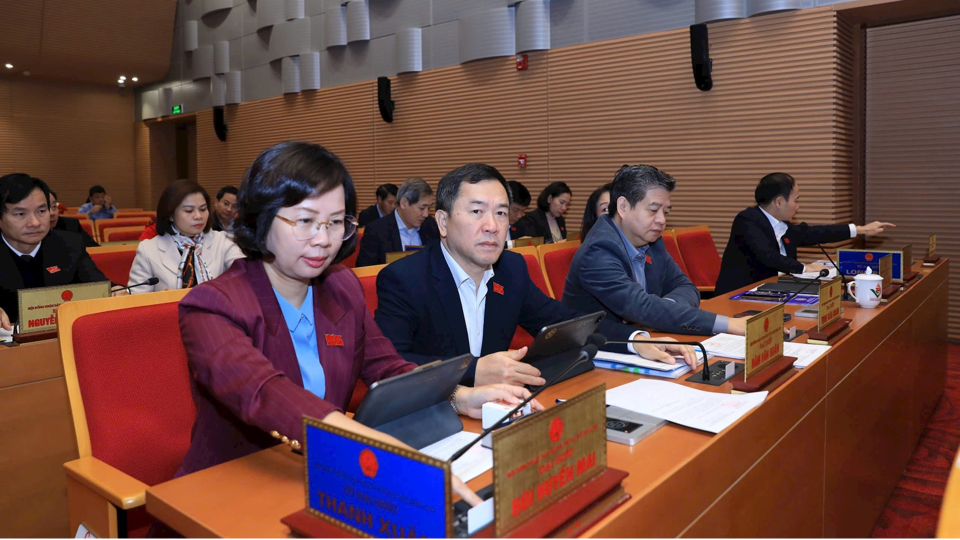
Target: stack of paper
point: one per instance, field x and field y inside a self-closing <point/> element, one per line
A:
<point x="476" y="461"/>
<point x="637" y="364"/>
<point x="707" y="411"/>
<point x="730" y="346"/>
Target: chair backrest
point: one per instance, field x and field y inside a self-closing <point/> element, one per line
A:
<point x="535" y="268"/>
<point x="103" y="224"/>
<point x="87" y="226"/>
<point x="114" y="261"/>
<point x="397" y="255"/>
<point x="121" y="234"/>
<point x="670" y="242"/>
<point x="141" y="213"/>
<point x="351" y="261"/>
<point x="132" y="406"/>
<point x="556" y="263"/>
<point x="700" y="255"/>
<point x="368" y="279"/>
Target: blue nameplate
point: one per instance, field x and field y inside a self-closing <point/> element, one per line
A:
<point x="855" y="261"/>
<point x="373" y="489"/>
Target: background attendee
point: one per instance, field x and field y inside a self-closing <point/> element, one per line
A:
<point x="519" y="201"/>
<point x="225" y="211"/>
<point x="386" y="203"/>
<point x="185" y="252"/>
<point x="68" y="224"/>
<point x="470" y="295"/>
<point x="597" y="206"/>
<point x="254" y="337"/>
<point x="409" y="224"/>
<point x="33" y="255"/>
<point x="99" y="205"/>
<point x="763" y="242"/>
<point x="624" y="269"/>
<point x="547" y="220"/>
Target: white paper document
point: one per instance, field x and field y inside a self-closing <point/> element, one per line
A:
<point x="634" y="360"/>
<point x="707" y="411"/>
<point x="730" y="346"/>
<point x="480" y="516"/>
<point x="832" y="273"/>
<point x="475" y="462"/>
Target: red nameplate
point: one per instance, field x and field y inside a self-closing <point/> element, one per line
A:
<point x="334" y="340"/>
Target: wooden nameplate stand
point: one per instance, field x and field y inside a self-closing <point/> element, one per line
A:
<point x="889" y="292"/>
<point x="35" y="336"/>
<point x="931" y="261"/>
<point x="830" y="333"/>
<point x="765" y="376"/>
<point x="594" y="500"/>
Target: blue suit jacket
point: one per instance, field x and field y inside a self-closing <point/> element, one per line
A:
<point x="601" y="278"/>
<point x="383" y="236"/>
<point x="420" y="313"/>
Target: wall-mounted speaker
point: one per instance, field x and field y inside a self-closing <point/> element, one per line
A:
<point x="383" y="99"/>
<point x="700" y="57"/>
<point x="219" y="125"/>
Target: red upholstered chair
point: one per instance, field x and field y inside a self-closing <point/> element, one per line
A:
<point x="134" y="213"/>
<point x="114" y="261"/>
<point x="522" y="338"/>
<point x="103" y="224"/>
<point x="556" y="263"/>
<point x="87" y="226"/>
<point x="123" y="234"/>
<point x="132" y="406"/>
<point x="699" y="252"/>
<point x="351" y="261"/>
<point x="368" y="279"/>
<point x="670" y="242"/>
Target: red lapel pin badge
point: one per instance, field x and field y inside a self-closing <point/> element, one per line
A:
<point x="53" y="269"/>
<point x="333" y="340"/>
<point x="498" y="288"/>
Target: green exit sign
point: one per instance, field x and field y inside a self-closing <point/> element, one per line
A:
<point x="176" y="109"/>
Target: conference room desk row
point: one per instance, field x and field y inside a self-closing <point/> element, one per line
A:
<point x="819" y="458"/>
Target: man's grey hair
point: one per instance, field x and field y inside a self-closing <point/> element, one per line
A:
<point x="413" y="189"/>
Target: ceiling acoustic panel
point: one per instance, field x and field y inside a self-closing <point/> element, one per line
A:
<point x="758" y="7"/>
<point x="294" y="9"/>
<point x="488" y="34"/>
<point x="290" y="74"/>
<point x="210" y="6"/>
<point x="719" y="10"/>
<point x="409" y="50"/>
<point x="335" y="27"/>
<point x="310" y="71"/>
<point x="203" y="62"/>
<point x="358" y="21"/>
<point x="533" y="25"/>
<point x="270" y="12"/>
<point x="190" y="35"/>
<point x="218" y="90"/>
<point x="221" y="57"/>
<point x="232" y="87"/>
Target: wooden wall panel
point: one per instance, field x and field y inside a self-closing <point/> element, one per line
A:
<point x="142" y="174"/>
<point x="341" y="119"/>
<point x="912" y="135"/>
<point x="480" y="111"/>
<point x="773" y="108"/>
<point x="70" y="135"/>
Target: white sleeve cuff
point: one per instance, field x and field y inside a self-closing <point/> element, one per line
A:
<point x="633" y="336"/>
<point x="853" y="230"/>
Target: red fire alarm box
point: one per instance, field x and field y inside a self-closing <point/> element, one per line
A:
<point x="522" y="161"/>
<point x="521" y="62"/>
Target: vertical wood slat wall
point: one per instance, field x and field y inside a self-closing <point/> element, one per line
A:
<point x="913" y="137"/>
<point x="579" y="112"/>
<point x="70" y="135"/>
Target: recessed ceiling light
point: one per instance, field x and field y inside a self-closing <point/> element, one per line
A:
<point x="9" y="66"/>
<point x="123" y="76"/>
<point x="134" y="79"/>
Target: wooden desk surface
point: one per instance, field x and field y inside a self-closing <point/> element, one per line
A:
<point x="819" y="458"/>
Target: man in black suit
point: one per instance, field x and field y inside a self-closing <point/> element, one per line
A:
<point x="519" y="201"/>
<point x="66" y="224"/>
<point x="409" y="225"/>
<point x="386" y="203"/>
<point x="465" y="294"/>
<point x="225" y="211"/>
<point x="33" y="255"/>
<point x="763" y="242"/>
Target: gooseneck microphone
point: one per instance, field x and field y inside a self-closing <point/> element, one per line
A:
<point x="587" y="352"/>
<point x="823" y="273"/>
<point x="151" y="282"/>
<point x="803" y="226"/>
<point x="706" y="365"/>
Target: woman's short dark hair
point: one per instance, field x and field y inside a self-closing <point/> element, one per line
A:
<point x="590" y="215"/>
<point x="772" y="186"/>
<point x="284" y="175"/>
<point x="15" y="187"/>
<point x="554" y="190"/>
<point x="171" y="198"/>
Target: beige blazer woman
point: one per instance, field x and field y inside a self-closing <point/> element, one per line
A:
<point x="159" y="257"/>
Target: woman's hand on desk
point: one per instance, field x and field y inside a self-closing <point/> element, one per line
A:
<point x="665" y="353"/>
<point x="470" y="400"/>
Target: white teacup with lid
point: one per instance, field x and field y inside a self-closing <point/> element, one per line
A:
<point x="867" y="288"/>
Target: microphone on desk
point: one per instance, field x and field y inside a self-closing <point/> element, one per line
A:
<point x="803" y="226"/>
<point x="587" y="352"/>
<point x="706" y="364"/>
<point x="823" y="273"/>
<point x="151" y="282"/>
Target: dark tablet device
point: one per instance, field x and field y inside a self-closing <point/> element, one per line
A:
<point x="557" y="345"/>
<point x="414" y="407"/>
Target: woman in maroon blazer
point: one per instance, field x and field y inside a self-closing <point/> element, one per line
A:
<point x="258" y="360"/>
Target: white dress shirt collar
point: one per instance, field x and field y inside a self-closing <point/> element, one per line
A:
<point x="15" y="250"/>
